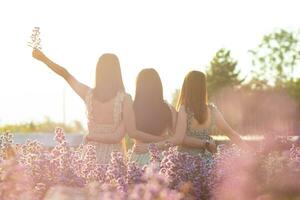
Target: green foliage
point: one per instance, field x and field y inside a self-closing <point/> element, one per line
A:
<point x="46" y="126"/>
<point x="222" y="72"/>
<point x="293" y="89"/>
<point x="256" y="84"/>
<point x="274" y="62"/>
<point x="276" y="57"/>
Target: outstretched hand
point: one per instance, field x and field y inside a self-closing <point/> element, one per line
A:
<point x="39" y="55"/>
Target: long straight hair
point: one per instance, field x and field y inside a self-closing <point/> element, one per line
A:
<point x="153" y="115"/>
<point x="193" y="95"/>
<point x="108" y="78"/>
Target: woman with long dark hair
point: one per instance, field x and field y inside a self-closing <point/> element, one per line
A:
<point x="109" y="108"/>
<point x="197" y="119"/>
<point x="153" y="115"/>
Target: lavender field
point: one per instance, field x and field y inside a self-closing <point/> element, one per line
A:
<point x="150" y="100"/>
<point x="33" y="171"/>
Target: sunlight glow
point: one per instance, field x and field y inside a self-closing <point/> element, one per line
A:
<point x="171" y="36"/>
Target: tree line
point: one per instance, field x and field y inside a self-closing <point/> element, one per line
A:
<point x="45" y="126"/>
<point x="274" y="63"/>
<point x="268" y="98"/>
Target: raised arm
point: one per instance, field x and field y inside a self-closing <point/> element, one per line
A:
<point x="130" y="125"/>
<point x="78" y="87"/>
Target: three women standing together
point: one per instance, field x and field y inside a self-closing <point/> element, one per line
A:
<point x="148" y="119"/>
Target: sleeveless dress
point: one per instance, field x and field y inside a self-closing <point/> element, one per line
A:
<point x="103" y="151"/>
<point x="203" y="133"/>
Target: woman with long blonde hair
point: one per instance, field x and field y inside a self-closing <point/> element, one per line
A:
<point x="199" y="118"/>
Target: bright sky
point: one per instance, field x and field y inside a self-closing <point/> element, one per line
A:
<point x="171" y="36"/>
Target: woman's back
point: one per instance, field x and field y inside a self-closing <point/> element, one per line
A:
<point x="153" y="114"/>
<point x="106" y="116"/>
<point x="206" y="127"/>
<point x="200" y="131"/>
<point x="194" y="124"/>
<point x="156" y="123"/>
<point x="103" y="112"/>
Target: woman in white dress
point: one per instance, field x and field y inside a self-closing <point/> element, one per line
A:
<point x="109" y="109"/>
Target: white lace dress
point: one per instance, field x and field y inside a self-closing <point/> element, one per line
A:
<point x="104" y="150"/>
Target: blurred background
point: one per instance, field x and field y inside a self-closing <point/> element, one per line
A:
<point x="249" y="50"/>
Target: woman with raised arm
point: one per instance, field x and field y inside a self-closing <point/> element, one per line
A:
<point x="109" y="108"/>
<point x="197" y="119"/>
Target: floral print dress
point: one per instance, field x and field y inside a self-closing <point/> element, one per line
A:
<point x="200" y="133"/>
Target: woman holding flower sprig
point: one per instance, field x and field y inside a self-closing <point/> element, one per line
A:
<point x="109" y="108"/>
<point x="196" y="119"/>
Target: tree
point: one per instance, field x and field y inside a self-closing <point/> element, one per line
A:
<point x="293" y="89"/>
<point x="222" y="72"/>
<point x="276" y="57"/>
